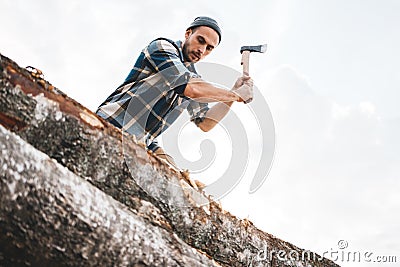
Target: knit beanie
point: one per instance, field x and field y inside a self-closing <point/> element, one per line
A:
<point x="208" y="22"/>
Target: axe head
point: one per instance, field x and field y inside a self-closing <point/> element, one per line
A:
<point x="256" y="48"/>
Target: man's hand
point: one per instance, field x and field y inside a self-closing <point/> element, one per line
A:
<point x="242" y="80"/>
<point x="243" y="87"/>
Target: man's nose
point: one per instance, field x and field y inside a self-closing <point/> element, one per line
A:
<point x="202" y="49"/>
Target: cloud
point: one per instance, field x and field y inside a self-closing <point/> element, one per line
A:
<point x="334" y="167"/>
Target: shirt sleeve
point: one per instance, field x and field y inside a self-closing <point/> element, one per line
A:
<point x="164" y="58"/>
<point x="153" y="146"/>
<point x="197" y="111"/>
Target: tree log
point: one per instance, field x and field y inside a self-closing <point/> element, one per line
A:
<point x="51" y="217"/>
<point x="112" y="161"/>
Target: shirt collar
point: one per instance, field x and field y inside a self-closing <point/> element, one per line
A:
<point x="179" y="44"/>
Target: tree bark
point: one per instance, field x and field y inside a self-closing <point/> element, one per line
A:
<point x="113" y="162"/>
<point x="51" y="217"/>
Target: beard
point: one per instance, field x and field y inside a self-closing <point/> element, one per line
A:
<point x="186" y="54"/>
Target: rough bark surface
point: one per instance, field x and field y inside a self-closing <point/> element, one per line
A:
<point x="51" y="217"/>
<point x="114" y="163"/>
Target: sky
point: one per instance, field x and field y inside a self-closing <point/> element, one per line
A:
<point x="331" y="79"/>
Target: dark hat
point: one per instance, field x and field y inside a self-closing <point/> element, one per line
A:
<point x="208" y="22"/>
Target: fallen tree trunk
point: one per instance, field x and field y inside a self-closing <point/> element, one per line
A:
<point x="51" y="217"/>
<point x="96" y="151"/>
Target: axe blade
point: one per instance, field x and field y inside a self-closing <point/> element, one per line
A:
<point x="256" y="48"/>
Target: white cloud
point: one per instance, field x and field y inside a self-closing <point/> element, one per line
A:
<point x="330" y="172"/>
<point x="367" y="107"/>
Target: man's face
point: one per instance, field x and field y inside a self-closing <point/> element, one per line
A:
<point x="199" y="43"/>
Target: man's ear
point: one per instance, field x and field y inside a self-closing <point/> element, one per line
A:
<point x="188" y="33"/>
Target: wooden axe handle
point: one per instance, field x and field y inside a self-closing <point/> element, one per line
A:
<point x="245" y="62"/>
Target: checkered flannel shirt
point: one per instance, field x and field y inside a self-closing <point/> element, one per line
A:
<point x="151" y="98"/>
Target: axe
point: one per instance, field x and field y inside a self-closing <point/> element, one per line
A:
<point x="245" y="51"/>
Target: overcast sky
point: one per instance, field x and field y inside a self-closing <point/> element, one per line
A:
<point x="331" y="78"/>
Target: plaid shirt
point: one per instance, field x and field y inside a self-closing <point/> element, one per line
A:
<point x="151" y="98"/>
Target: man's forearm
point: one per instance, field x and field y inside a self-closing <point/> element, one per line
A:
<point x="205" y="92"/>
<point x="215" y="115"/>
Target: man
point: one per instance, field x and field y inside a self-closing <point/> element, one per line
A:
<point x="164" y="82"/>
